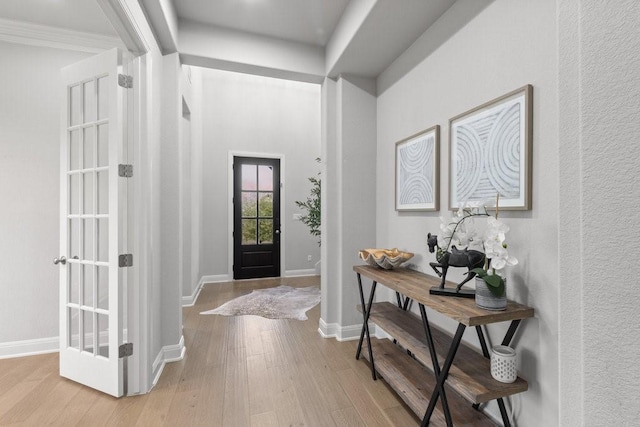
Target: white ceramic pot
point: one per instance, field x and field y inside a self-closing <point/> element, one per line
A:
<point x="503" y="364"/>
<point x="486" y="299"/>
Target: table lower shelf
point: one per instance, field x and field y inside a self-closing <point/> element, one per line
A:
<point x="414" y="384"/>
<point x="470" y="373"/>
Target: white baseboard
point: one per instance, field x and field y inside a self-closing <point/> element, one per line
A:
<point x="168" y="353"/>
<point x="348" y="333"/>
<point x="216" y="278"/>
<point x="189" y="301"/>
<point x="29" y="347"/>
<point x="300" y="273"/>
<point x="341" y="333"/>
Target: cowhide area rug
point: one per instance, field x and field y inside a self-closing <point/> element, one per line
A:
<point x="283" y="302"/>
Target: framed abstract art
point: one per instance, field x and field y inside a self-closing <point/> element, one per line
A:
<point x="418" y="171"/>
<point x="490" y="152"/>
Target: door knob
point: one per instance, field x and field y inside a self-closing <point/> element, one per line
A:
<point x="62" y="260"/>
<point x="277" y="231"/>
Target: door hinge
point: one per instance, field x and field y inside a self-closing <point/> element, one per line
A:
<point x="125" y="350"/>
<point x="125" y="260"/>
<point x="125" y="81"/>
<point x="125" y="171"/>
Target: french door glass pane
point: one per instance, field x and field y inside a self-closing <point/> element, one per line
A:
<point x="74" y="283"/>
<point x="103" y="98"/>
<point x="103" y="335"/>
<point x="88" y="147"/>
<point x="88" y="192"/>
<point x="103" y="287"/>
<point x="103" y="192"/>
<point x="87" y="253"/>
<point x="103" y="240"/>
<point x="74" y="238"/>
<point x="75" y="107"/>
<point x="74" y="150"/>
<point x="87" y="324"/>
<point x="103" y="145"/>
<point x="74" y="194"/>
<point x="265" y="178"/>
<point x="87" y="287"/>
<point x="90" y="104"/>
<point x="249" y="177"/>
<point x="248" y="231"/>
<point x="74" y="325"/>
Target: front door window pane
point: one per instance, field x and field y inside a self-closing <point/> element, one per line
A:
<point x="249" y="204"/>
<point x="265" y="228"/>
<point x="265" y="178"/>
<point x="266" y="205"/>
<point x="248" y="231"/>
<point x="249" y="177"/>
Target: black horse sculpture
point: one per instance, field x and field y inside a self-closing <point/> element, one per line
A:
<point x="456" y="258"/>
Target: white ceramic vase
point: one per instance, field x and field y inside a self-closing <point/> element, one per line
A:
<point x="503" y="364"/>
<point x="487" y="299"/>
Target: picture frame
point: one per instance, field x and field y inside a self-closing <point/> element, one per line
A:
<point x="417" y="179"/>
<point x="490" y="152"/>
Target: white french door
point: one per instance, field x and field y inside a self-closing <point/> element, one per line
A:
<point x="92" y="213"/>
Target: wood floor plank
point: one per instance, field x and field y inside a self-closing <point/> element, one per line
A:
<point x="210" y="407"/>
<point x="260" y="400"/>
<point x="285" y="401"/>
<point x="266" y="419"/>
<point x="238" y="371"/>
<point x="23" y="409"/>
<point x="65" y="392"/>
<point x="347" y="417"/>
<point x="310" y="398"/>
<point x="362" y="401"/>
<point x="401" y="416"/>
<point x="236" y="398"/>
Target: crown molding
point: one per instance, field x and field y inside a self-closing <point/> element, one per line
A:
<point x="55" y="37"/>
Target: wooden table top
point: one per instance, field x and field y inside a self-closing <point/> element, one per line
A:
<point x="416" y="285"/>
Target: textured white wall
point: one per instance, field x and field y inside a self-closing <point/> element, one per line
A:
<point x="29" y="191"/>
<point x="610" y="208"/>
<point x="507" y="45"/>
<point x="259" y="115"/>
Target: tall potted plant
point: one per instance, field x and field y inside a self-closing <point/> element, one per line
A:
<point x="312" y="207"/>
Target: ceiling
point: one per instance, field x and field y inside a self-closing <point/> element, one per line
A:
<point x="78" y="15"/>
<point x="352" y="37"/>
<point x="304" y="21"/>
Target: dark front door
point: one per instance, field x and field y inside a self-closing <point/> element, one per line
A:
<point x="256" y="217"/>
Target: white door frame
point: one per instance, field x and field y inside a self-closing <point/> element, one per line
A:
<point x="125" y="16"/>
<point x="283" y="232"/>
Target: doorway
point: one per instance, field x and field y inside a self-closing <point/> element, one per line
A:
<point x="256" y="217"/>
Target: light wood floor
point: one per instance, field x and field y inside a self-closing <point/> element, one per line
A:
<point x="238" y="371"/>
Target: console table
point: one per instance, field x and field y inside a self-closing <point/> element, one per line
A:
<point x="411" y="363"/>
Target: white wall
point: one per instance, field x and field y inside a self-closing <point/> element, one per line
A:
<point x="259" y="115"/>
<point x="170" y="200"/>
<point x="349" y="203"/>
<point x="29" y="192"/>
<point x="507" y="45"/>
<point x="599" y="212"/>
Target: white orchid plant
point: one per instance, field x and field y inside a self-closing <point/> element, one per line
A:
<point x="462" y="231"/>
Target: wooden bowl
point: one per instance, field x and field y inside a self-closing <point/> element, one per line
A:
<point x="385" y="258"/>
